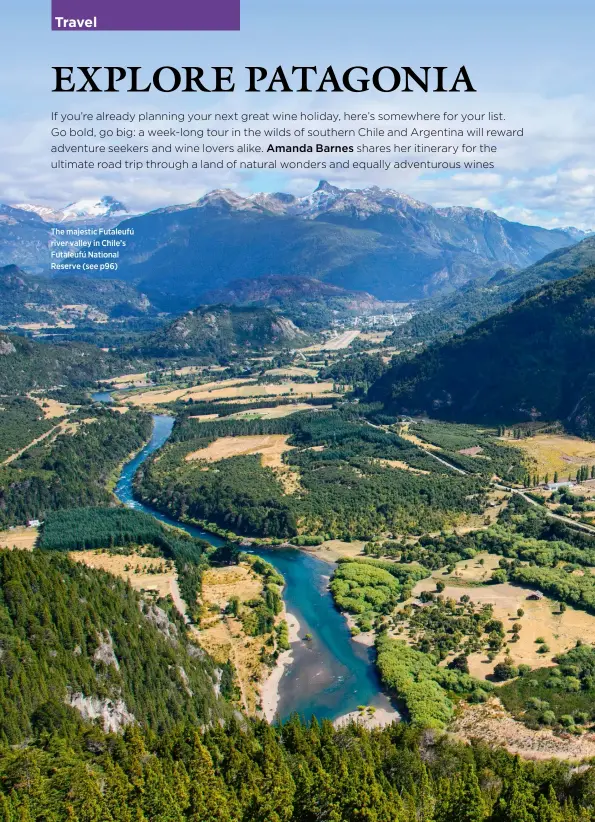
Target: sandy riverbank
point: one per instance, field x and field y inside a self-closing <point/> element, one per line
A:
<point x="367" y="638"/>
<point x="269" y="692"/>
<point x="380" y="718"/>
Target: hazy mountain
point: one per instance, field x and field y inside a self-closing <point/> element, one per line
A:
<point x="476" y="301"/>
<point x="532" y="361"/>
<point x="216" y="331"/>
<point x="24" y="238"/>
<point x="372" y="240"/>
<point x="26" y="298"/>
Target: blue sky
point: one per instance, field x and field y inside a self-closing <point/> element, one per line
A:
<point x="532" y="60"/>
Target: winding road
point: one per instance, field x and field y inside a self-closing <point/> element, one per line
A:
<point x="581" y="526"/>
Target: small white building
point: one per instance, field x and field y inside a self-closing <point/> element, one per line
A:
<point x="555" y="486"/>
<point x="33" y="523"/>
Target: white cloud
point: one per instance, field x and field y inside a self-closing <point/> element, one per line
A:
<point x="545" y="177"/>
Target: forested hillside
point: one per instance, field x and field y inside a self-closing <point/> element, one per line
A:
<point x="477" y="300"/>
<point x="77" y="529"/>
<point x="26" y="365"/>
<point x="23" y="421"/>
<point x="25" y="298"/>
<point x="74" y="636"/>
<point x="213" y="332"/>
<point x="71" y="470"/>
<point x="258" y="773"/>
<point x="532" y="361"/>
<point x="308" y="302"/>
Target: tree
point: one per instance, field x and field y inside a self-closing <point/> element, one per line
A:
<point x="548" y="808"/>
<point x="208" y="798"/>
<point x="505" y="670"/>
<point x="459" y="663"/>
<point x="440" y="586"/>
<point x="517" y="802"/>
<point x="467" y="803"/>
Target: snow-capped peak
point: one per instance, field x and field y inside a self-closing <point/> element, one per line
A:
<point x="88" y="209"/>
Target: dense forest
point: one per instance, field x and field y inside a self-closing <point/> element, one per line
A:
<point x="539" y="353"/>
<point x="71" y="635"/>
<point x="72" y="470"/>
<point x="22" y="421"/>
<point x="370" y="587"/>
<point x="252" y="772"/>
<point x="359" y="370"/>
<point x="345" y="487"/>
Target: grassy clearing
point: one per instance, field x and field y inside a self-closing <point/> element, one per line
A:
<point x="145" y="574"/>
<point x="230" y="389"/>
<point x="22" y="539"/>
<point x="541" y="618"/>
<point x="293" y="371"/>
<point x="275" y="412"/>
<point x="271" y="448"/>
<point x="222" y="634"/>
<point x="52" y="409"/>
<point x="557" y="453"/>
<point x="403" y="466"/>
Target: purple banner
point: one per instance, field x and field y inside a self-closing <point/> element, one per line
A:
<point x="145" y="15"/>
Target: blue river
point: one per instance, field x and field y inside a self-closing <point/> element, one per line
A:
<point x="330" y="675"/>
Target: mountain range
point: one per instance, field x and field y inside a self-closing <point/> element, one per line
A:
<point x="453" y="313"/>
<point x="374" y="240"/>
<point x="534" y="360"/>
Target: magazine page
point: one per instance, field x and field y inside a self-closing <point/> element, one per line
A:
<point x="297" y="411"/>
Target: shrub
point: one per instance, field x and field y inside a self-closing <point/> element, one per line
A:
<point x="567" y="721"/>
<point x="505" y="670"/>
